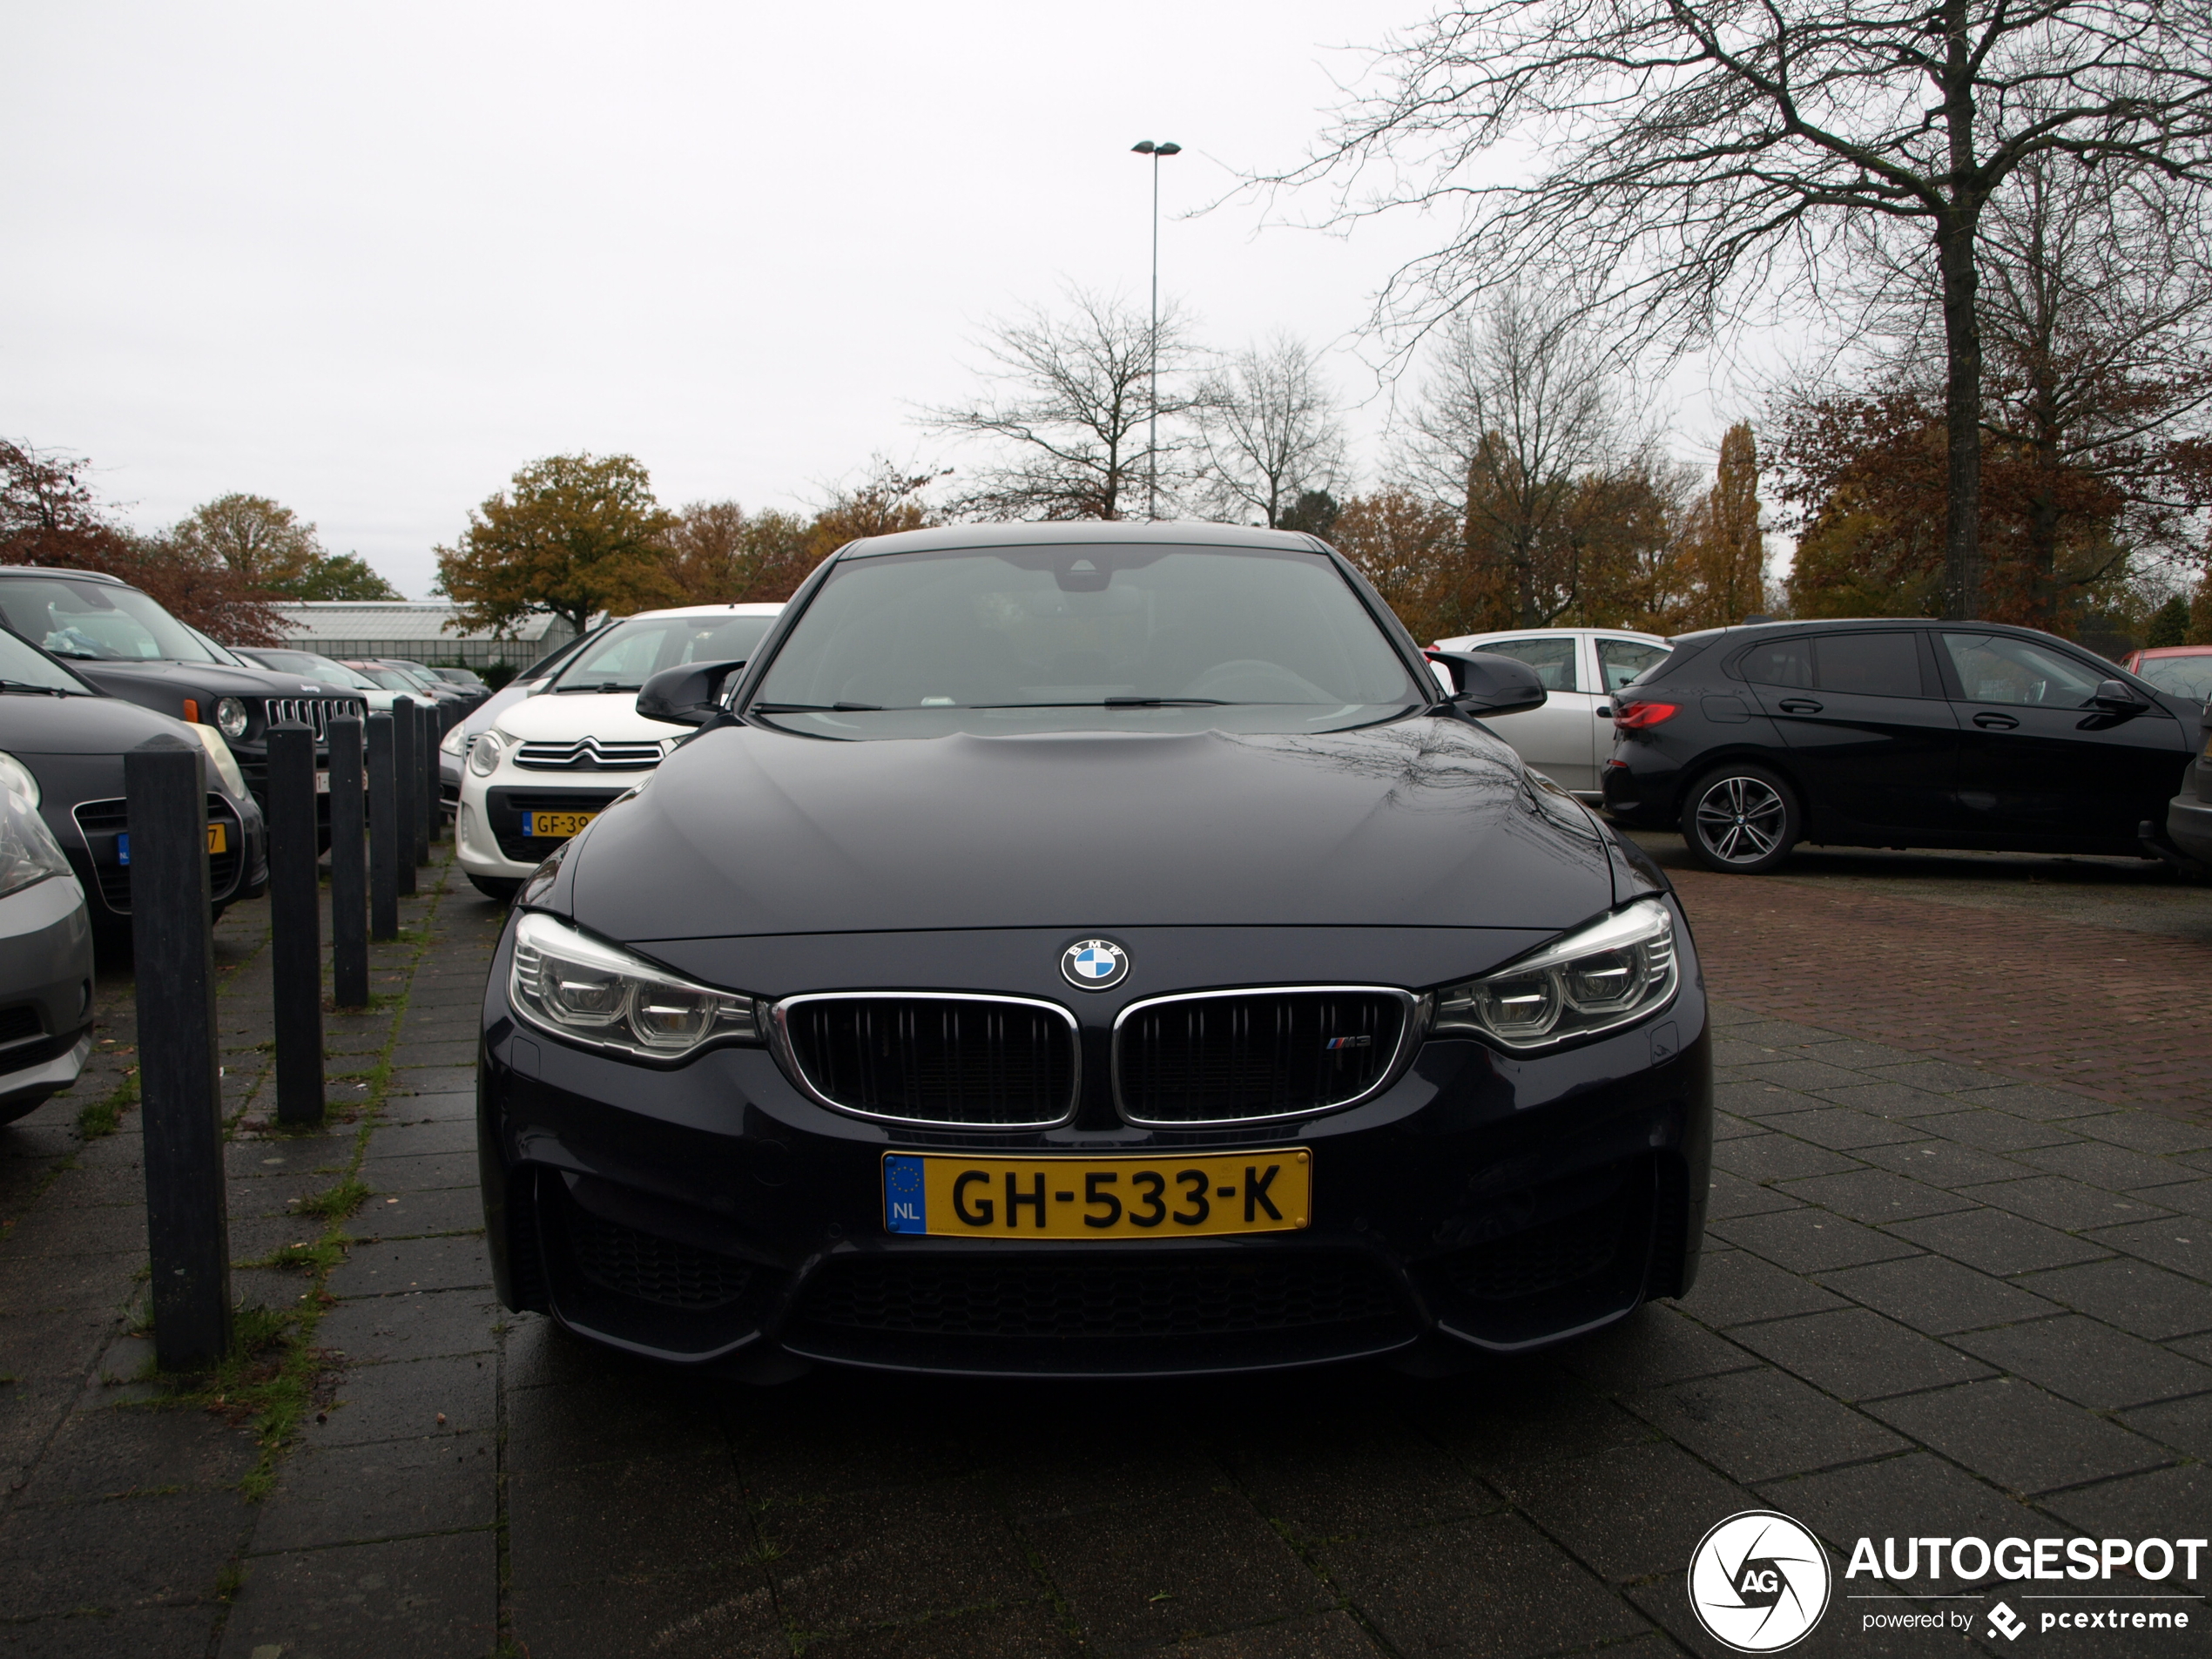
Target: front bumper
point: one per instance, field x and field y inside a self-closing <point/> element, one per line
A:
<point x="489" y="839"/>
<point x="45" y="981"/>
<point x="2188" y="825"/>
<point x="713" y="1216"/>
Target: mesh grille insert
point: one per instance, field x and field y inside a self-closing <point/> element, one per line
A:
<point x="653" y="1269"/>
<point x="1544" y="1257"/>
<point x="983" y="1298"/>
<point x="937" y="1060"/>
<point x="1264" y="1054"/>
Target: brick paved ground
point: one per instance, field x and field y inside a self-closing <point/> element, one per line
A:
<point x="2026" y="989"/>
<point x="1936" y="1300"/>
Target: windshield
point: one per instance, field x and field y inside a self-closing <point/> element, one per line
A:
<point x="20" y="666"/>
<point x="2189" y="676"/>
<point x="97" y="622"/>
<point x="325" y="669"/>
<point x="390" y="678"/>
<point x="623" y="657"/>
<point x="1094" y="636"/>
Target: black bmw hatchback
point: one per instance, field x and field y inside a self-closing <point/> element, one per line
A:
<point x="1091" y="950"/>
<point x="1894" y="733"/>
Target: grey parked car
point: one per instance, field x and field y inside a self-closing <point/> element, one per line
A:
<point x="45" y="958"/>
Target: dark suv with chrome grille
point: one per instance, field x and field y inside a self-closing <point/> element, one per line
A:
<point x="1091" y="950"/>
<point x="124" y="642"/>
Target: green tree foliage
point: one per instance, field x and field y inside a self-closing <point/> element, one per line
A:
<point x="2169" y="626"/>
<point x="340" y="576"/>
<point x="572" y="536"/>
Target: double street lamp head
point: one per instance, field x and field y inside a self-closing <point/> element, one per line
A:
<point x="1146" y="147"/>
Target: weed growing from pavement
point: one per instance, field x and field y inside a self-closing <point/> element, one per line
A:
<point x="335" y="1203"/>
<point x="273" y="1373"/>
<point x="99" y="1118"/>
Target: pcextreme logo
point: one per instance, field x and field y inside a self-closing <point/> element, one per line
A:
<point x="1758" y="1581"/>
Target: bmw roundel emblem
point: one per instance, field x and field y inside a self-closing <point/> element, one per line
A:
<point x="1095" y="964"/>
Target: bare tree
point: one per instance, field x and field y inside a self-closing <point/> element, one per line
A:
<point x="1268" y="434"/>
<point x="1516" y="412"/>
<point x="1070" y="406"/>
<point x="1697" y="153"/>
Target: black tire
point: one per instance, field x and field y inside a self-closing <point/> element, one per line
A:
<point x="1740" y="820"/>
<point x="493" y="888"/>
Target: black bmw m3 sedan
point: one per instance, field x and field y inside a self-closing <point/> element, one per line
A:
<point x="1085" y="950"/>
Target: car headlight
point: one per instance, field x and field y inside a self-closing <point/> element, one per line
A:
<point x="1612" y="973"/>
<point x="483" y="754"/>
<point x="29" y="853"/>
<point x="455" y="743"/>
<point x="220" y="758"/>
<point x="16" y="776"/>
<point x="230" y="717"/>
<point x="588" y="991"/>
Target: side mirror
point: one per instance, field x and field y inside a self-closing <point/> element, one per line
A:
<point x="689" y="694"/>
<point x="2116" y="697"/>
<point x="1490" y="685"/>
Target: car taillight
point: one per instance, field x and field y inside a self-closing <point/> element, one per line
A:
<point x="1631" y="717"/>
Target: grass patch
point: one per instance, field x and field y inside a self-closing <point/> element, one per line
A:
<point x="99" y="1118"/>
<point x="335" y="1203"/>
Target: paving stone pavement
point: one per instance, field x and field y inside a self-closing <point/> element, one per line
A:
<point x="1937" y="1299"/>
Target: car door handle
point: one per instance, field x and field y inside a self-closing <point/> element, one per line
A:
<point x="1605" y="710"/>
<point x="1800" y="705"/>
<point x="1995" y="722"/>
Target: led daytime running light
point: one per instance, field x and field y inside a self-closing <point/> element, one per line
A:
<point x="588" y="991"/>
<point x="1612" y="972"/>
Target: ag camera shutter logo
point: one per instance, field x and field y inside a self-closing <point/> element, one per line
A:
<point x="1758" y="1581"/>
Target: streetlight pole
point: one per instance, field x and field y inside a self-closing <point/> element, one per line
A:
<point x="1146" y="147"/>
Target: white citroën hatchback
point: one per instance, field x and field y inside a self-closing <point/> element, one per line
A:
<point x="555" y="758"/>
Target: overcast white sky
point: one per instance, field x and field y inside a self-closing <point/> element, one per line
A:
<point x="369" y="260"/>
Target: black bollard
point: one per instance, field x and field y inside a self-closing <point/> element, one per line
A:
<point x="295" y="924"/>
<point x="426" y="796"/>
<point x="383" y="832"/>
<point x="348" y="868"/>
<point x="180" y="1095"/>
<point x="406" y="783"/>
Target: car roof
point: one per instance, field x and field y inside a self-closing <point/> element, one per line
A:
<point x="1560" y="633"/>
<point x="748" y="609"/>
<point x="63" y="569"/>
<point x="2149" y="652"/>
<point x="1080" y="532"/>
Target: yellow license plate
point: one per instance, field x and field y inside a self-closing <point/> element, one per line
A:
<point x="559" y="825"/>
<point x="1140" y="1197"/>
<point x="218" y="840"/>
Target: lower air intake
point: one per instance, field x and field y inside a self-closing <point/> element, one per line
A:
<point x="940" y="1298"/>
<point x="653" y="1269"/>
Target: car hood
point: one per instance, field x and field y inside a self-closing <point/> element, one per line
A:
<point x="556" y="718"/>
<point x="1425" y="822"/>
<point x="79" y="725"/>
<point x="134" y="679"/>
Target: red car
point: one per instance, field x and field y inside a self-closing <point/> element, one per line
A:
<point x="2179" y="671"/>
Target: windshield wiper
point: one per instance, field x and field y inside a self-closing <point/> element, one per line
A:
<point x="815" y="708"/>
<point x="42" y="691"/>
<point x="1118" y="703"/>
<point x="604" y="686"/>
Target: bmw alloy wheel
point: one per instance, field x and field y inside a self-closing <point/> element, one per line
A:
<point x="1743" y="820"/>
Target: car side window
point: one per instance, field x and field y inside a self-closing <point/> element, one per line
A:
<point x="1619" y="661"/>
<point x="1553" y="659"/>
<point x="1869" y="664"/>
<point x="1780" y="661"/>
<point x="1995" y="668"/>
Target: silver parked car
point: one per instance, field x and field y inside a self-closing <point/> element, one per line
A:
<point x="45" y="958"/>
<point x="1568" y="738"/>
